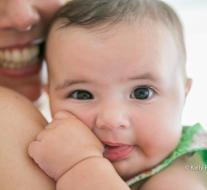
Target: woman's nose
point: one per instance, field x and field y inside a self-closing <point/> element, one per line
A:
<point x="112" y="116"/>
<point x="18" y="14"/>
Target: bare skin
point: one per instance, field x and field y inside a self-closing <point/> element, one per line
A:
<point x="82" y="160"/>
<point x="23" y="27"/>
<point x="185" y="179"/>
<point x="19" y="126"/>
<point x="109" y="108"/>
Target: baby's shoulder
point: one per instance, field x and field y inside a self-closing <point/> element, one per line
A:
<point x="183" y="173"/>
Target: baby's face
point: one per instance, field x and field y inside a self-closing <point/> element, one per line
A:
<point x="125" y="85"/>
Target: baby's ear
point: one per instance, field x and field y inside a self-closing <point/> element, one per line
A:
<point x="188" y="86"/>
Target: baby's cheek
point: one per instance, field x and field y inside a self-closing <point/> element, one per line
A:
<point x="87" y="115"/>
<point x="157" y="144"/>
<point x="166" y="147"/>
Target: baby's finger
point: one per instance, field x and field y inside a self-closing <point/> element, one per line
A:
<point x="63" y="115"/>
<point x="33" y="150"/>
<point x="37" y="154"/>
<point x="51" y="125"/>
<point x="41" y="135"/>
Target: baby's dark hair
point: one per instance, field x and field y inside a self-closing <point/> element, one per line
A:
<point x="94" y="13"/>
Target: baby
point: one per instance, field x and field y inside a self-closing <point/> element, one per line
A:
<point x="117" y="85"/>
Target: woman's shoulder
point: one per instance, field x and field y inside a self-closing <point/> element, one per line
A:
<point x="183" y="173"/>
<point x="15" y="107"/>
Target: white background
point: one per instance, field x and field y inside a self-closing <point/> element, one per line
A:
<point x="193" y="14"/>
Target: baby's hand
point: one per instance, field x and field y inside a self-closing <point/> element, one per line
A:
<point x="65" y="142"/>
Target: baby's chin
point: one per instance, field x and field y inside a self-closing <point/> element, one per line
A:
<point x="134" y="165"/>
<point x="126" y="176"/>
<point x="126" y="169"/>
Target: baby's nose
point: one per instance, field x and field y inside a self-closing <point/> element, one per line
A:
<point x="112" y="117"/>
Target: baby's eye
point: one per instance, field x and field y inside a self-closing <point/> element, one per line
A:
<point x="81" y="94"/>
<point x="142" y="93"/>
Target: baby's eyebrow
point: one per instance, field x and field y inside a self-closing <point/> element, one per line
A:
<point x="146" y="76"/>
<point x="69" y="82"/>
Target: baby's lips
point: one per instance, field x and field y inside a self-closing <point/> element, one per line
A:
<point x="117" y="151"/>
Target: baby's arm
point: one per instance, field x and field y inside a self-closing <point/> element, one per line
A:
<point x="92" y="174"/>
<point x="71" y="154"/>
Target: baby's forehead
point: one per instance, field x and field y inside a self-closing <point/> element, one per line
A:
<point x="123" y="50"/>
<point x="102" y="16"/>
<point x="106" y="30"/>
<point x="150" y="32"/>
<point x="121" y="35"/>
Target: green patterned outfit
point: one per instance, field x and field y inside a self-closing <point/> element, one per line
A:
<point x="193" y="139"/>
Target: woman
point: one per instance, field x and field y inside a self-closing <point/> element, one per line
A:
<point x="23" y="25"/>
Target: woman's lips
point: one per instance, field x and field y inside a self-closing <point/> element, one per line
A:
<point x="115" y="152"/>
<point x="22" y="72"/>
<point x="24" y="45"/>
<point x="22" y="60"/>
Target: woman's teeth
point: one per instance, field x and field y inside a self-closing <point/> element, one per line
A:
<point x="17" y="58"/>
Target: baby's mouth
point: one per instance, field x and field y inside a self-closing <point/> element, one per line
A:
<point x="117" y="152"/>
<point x="17" y="58"/>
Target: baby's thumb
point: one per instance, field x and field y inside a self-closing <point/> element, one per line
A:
<point x="33" y="150"/>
